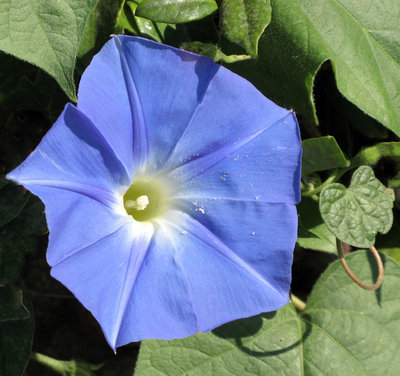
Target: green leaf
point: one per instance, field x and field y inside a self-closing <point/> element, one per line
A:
<point x="243" y="22"/>
<point x="356" y="335"/>
<point x="100" y="25"/>
<point x="313" y="232"/>
<point x="354" y="331"/>
<point x="141" y="26"/>
<point x="361" y="39"/>
<point x="356" y="214"/>
<point x="21" y="236"/>
<point x="168" y="33"/>
<point x="12" y="200"/>
<point x="15" y="344"/>
<point x="175" y="11"/>
<point x="371" y="156"/>
<point x="389" y="244"/>
<point x="322" y="153"/>
<point x="245" y="347"/>
<point x="45" y="33"/>
<point x="11" y="304"/>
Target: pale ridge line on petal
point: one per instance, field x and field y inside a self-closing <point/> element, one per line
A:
<point x="99" y="194"/>
<point x="140" y="140"/>
<point x="222" y="249"/>
<point x="201" y="198"/>
<point x="86" y="248"/>
<point x="213" y="67"/>
<point x="227" y="150"/>
<point x="132" y="272"/>
<point x="191" y="299"/>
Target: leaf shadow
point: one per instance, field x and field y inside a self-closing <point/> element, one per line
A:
<point x="241" y="329"/>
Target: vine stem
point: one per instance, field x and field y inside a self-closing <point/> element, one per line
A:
<point x="54" y="364"/>
<point x="297" y="303"/>
<point x="347" y="269"/>
<point x="335" y="176"/>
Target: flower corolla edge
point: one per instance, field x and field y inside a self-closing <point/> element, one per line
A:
<point x="223" y="251"/>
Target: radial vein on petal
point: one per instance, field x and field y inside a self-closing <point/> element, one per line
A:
<point x="207" y="161"/>
<point x="219" y="246"/>
<point x="99" y="194"/>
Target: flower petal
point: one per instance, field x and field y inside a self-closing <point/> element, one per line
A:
<point x="232" y="110"/>
<point x="73" y="153"/>
<point x="260" y="233"/>
<point x="102" y="275"/>
<point x="76" y="221"/>
<point x="137" y="75"/>
<point x="195" y="279"/>
<point x="265" y="166"/>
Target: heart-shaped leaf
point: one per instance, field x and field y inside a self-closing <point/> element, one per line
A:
<point x="355" y="215"/>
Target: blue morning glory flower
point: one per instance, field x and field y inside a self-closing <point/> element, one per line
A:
<point x="170" y="193"/>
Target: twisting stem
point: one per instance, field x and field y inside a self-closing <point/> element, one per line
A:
<point x="378" y="259"/>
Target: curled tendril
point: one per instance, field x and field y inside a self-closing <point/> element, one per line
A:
<point x="346" y="267"/>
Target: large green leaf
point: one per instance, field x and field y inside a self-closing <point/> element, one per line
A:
<point x="360" y="38"/>
<point x="243" y="22"/>
<point x="175" y="11"/>
<point x="355" y="215"/>
<point x="343" y="331"/>
<point x="45" y="33"/>
<point x="390" y="242"/>
<point x="100" y="25"/>
<point x="15" y="344"/>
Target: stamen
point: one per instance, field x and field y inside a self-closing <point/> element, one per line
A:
<point x="140" y="203"/>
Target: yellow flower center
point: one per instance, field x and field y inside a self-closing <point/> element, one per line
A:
<point x="146" y="200"/>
